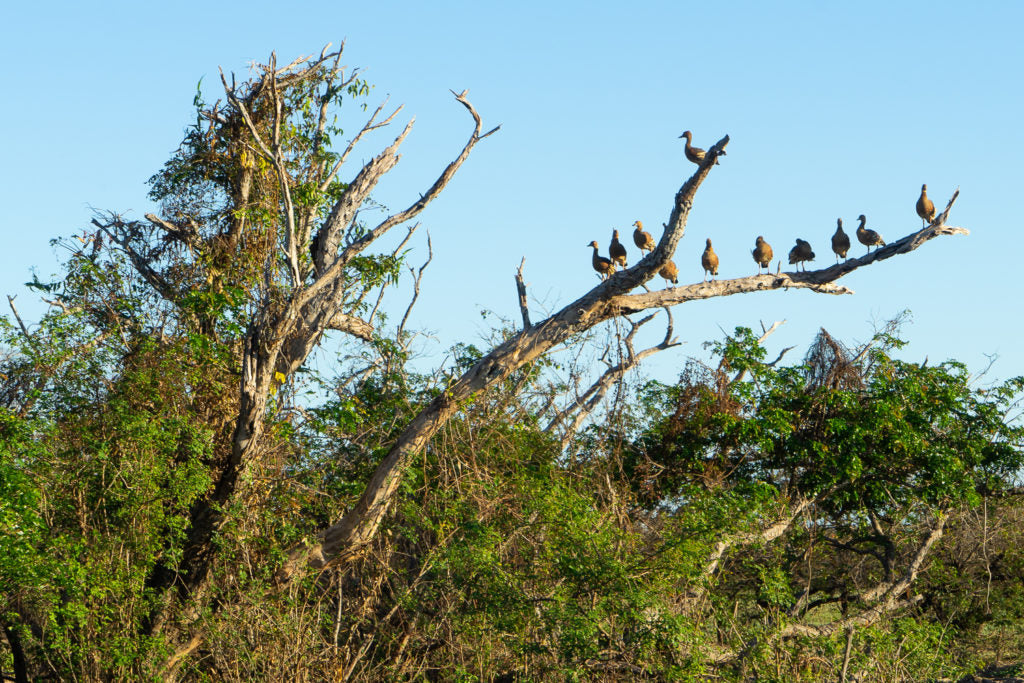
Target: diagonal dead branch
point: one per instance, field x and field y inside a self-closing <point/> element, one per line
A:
<point x="350" y="324"/>
<point x="767" y="535"/>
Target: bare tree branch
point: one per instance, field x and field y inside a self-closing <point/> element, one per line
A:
<point x="767" y="535"/>
<point x="417" y="278"/>
<point x="592" y="397"/>
<point x="524" y="307"/>
<point x="349" y="324"/>
<point x="185" y="234"/>
<point x="345" y="208"/>
<point x="367" y="127"/>
<point x="328" y="265"/>
<point x="21" y="323"/>
<point x="896" y="587"/>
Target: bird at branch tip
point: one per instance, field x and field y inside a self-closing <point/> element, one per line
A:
<point x="762" y="254"/>
<point x="616" y="250"/>
<point x="670" y="272"/>
<point x="709" y="261"/>
<point x="642" y="239"/>
<point x="840" y="241"/>
<point x="869" y="238"/>
<point x="604" y="266"/>
<point x="694" y="154"/>
<point x="801" y="253"/>
<point x="925" y="207"/>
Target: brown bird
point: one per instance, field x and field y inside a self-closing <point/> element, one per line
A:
<point x="616" y="250"/>
<point x="604" y="266"/>
<point x="925" y="208"/>
<point x="670" y="272"/>
<point x="840" y="241"/>
<point x="694" y="154"/>
<point x="869" y="238"/>
<point x="642" y="238"/>
<point x="762" y="254"/>
<point x="801" y="253"/>
<point x="709" y="260"/>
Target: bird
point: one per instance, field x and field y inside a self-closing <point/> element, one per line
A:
<point x="869" y="238"/>
<point x="709" y="260"/>
<point x="616" y="250"/>
<point x="604" y="266"/>
<point x="642" y="239"/>
<point x="801" y="253"/>
<point x="694" y="154"/>
<point x="670" y="272"/>
<point x="840" y="241"/>
<point x="762" y="254"/>
<point x="925" y="207"/>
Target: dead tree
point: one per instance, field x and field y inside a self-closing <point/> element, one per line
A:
<point x="345" y="540"/>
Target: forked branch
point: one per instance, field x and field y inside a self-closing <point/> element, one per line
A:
<point x="585" y="404"/>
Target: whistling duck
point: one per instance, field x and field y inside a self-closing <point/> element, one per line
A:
<point x="762" y="254"/>
<point x="694" y="154"/>
<point x="709" y="260"/>
<point x="801" y="253"/>
<point x="925" y="208"/>
<point x="616" y="250"/>
<point x="670" y="272"/>
<point x="604" y="266"/>
<point x="869" y="238"/>
<point x="840" y="241"/>
<point x="642" y="238"/>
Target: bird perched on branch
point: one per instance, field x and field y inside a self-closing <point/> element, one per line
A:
<point x="642" y="238"/>
<point x="762" y="254"/>
<point x="604" y="266"/>
<point x="616" y="250"/>
<point x="670" y="272"/>
<point x="709" y="260"/>
<point x="694" y="154"/>
<point x="925" y="207"/>
<point x="801" y="253"/>
<point x="869" y="238"/>
<point x="840" y="241"/>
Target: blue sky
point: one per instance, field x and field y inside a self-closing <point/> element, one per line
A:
<point x="833" y="110"/>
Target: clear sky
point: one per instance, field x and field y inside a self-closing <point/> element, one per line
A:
<point x="834" y="109"/>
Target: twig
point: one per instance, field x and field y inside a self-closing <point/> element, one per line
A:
<point x="418" y="276"/>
